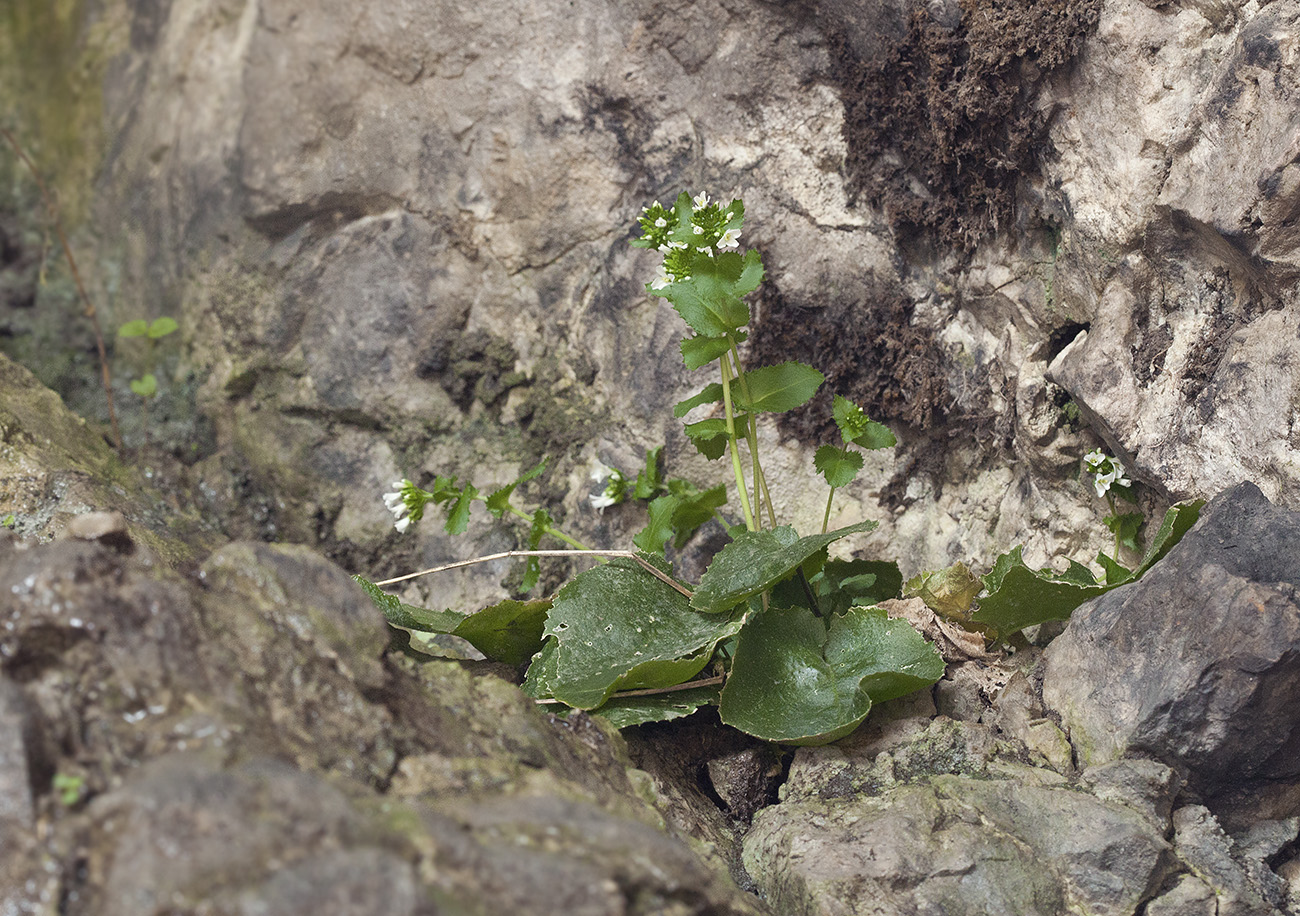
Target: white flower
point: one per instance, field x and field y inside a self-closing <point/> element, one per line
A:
<point x="728" y="239"/>
<point x="601" y="501"/>
<point x="600" y="472"/>
<point x="700" y="200"/>
<point x="678" y="245"/>
<point x="698" y="230"/>
<point x="1094" y="460"/>
<point x="660" y="281"/>
<point x="396" y="504"/>
<point x="705" y="249"/>
<point x="661" y="222"/>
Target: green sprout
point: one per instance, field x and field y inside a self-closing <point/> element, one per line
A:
<point x="147" y="385"/>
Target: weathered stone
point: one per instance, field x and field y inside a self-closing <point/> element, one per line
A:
<point x="945" y="823"/>
<point x="1207" y="642"/>
<point x="1201" y="843"/>
<point x="22" y="757"/>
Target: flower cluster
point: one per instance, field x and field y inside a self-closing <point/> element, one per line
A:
<point x="406" y="503"/>
<point x="617" y="490"/>
<point x="693" y="227"/>
<point x="1106" y="471"/>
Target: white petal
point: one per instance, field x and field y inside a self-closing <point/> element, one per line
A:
<point x="403" y="524"/>
<point x="700" y="200"/>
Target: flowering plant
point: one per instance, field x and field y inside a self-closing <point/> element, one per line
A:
<point x="1109" y="480"/>
<point x="789" y="643"/>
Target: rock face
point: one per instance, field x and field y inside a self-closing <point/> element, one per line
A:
<point x="1198" y="664"/>
<point x="396" y="245"/>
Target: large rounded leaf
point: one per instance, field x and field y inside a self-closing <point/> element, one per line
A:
<point x="797" y="681"/>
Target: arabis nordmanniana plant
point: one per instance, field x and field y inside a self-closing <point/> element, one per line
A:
<point x="1110" y="480"/>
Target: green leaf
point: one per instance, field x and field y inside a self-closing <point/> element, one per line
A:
<point x="541" y="671"/>
<point x="1177" y="521"/>
<point x="618" y="627"/>
<point x="857" y="428"/>
<point x="1125" y="526"/>
<point x="694" y="510"/>
<point x="700" y="351"/>
<point x="146" y="387"/>
<point x="137" y="328"/>
<point x="776" y="389"/>
<point x="542" y="521"/>
<point x="662" y="707"/>
<point x="798" y="681"/>
<point x="458" y="514"/>
<point x="838" y="466"/>
<point x="710" y="301"/>
<point x="509" y="631"/>
<point x="408" y="616"/>
<point x="650" y="480"/>
<point x="710" y="394"/>
<point x="161" y="327"/>
<point x="1019" y="597"/>
<point x="757" y="560"/>
<point x="651" y="539"/>
<point x="709" y="436"/>
<point x="499" y="502"/>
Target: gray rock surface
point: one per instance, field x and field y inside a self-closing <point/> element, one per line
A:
<point x="1208" y="643"/>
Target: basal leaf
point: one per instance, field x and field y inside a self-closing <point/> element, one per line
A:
<point x="617" y="625"/>
<point x="757" y="560"/>
<point x="710" y="394"/>
<point x="797" y="680"/>
<point x="1019" y="597"/>
<point x="509" y="631"/>
<point x="408" y="616"/>
<point x="541" y="672"/>
<point x="836" y="465"/>
<point x="776" y="389"/>
<point x="700" y="351"/>
<point x="1177" y="521"/>
<point x="662" y="707"/>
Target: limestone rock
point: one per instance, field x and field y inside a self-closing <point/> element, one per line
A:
<point x="1195" y="664"/>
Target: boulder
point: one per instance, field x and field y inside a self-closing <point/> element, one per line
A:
<point x="1196" y="665"/>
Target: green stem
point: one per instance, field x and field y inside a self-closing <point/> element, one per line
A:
<point x="552" y="531"/>
<point x="826" y="519"/>
<point x="760" y="481"/>
<point x="733" y="446"/>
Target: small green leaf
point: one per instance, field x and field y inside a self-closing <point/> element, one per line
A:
<point x="458" y="514"/>
<point x="798" y="681"/>
<point x="757" y="560"/>
<point x="838" y="466"/>
<point x="709" y="436"/>
<point x="542" y="521"/>
<point x="1116" y="573"/>
<point x="710" y="301"/>
<point x="857" y="428"/>
<point x="694" y="510"/>
<point x="650" y="480"/>
<point x="651" y="539"/>
<point x="137" y="328"/>
<point x="1019" y="597"/>
<point x="776" y="389"/>
<point x="710" y="394"/>
<point x="541" y="671"/>
<point x="161" y="327"/>
<point x="499" y="502"/>
<point x="1125" y="526"/>
<point x="700" y="351"/>
<point x="1177" y="521"/>
<point x="146" y="387"/>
